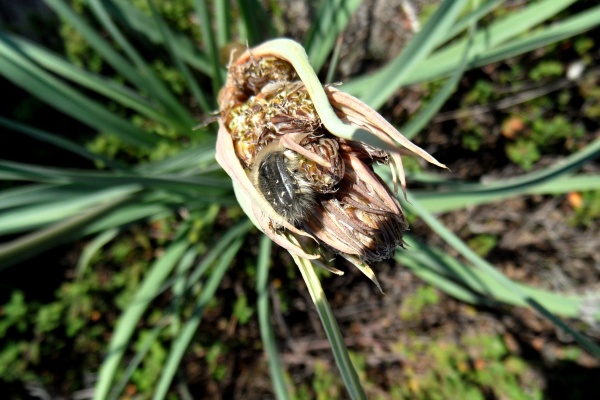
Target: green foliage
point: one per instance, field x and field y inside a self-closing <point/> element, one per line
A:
<point x="145" y="376"/>
<point x="588" y="213"/>
<point x="241" y="310"/>
<point x="547" y="132"/>
<point x="416" y="303"/>
<point x="473" y="136"/>
<point x="138" y="80"/>
<point x="482" y="93"/>
<point x="477" y="365"/>
<point x="14" y="313"/>
<point x="483" y="244"/>
<point x="213" y="358"/>
<point x="324" y="383"/>
<point x="547" y="69"/>
<point x="544" y="136"/>
<point x="523" y="152"/>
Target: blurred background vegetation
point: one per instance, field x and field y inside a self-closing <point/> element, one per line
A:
<point x="121" y="236"/>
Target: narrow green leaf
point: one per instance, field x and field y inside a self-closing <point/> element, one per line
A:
<point x="338" y="345"/>
<point x="418" y="49"/>
<point x="58" y="141"/>
<point x="29" y="245"/>
<point x="469" y="194"/>
<point x="442" y="201"/>
<point x="178" y="286"/>
<point x="190" y="161"/>
<point x="556" y="32"/>
<point x="497" y="276"/>
<point x="151" y="82"/>
<point x="223" y="18"/>
<point x="174" y="52"/>
<point x="111" y="89"/>
<point x="509" y="27"/>
<point x="134" y="18"/>
<point x="23" y="73"/>
<point x="108" y="53"/>
<point x="92" y="248"/>
<point x="37" y="215"/>
<point x="136" y="361"/>
<point x="266" y="329"/>
<point x="447" y="285"/>
<point x="208" y="40"/>
<point x="473" y="16"/>
<point x="21" y="196"/>
<point x="493" y="43"/>
<point x="331" y="20"/>
<point x="217" y="250"/>
<point x="483" y="288"/>
<point x="257" y="23"/>
<point x="335" y="58"/>
<point x="209" y="185"/>
<point x="129" y="213"/>
<point x="425" y="115"/>
<point x="150" y="286"/>
<point x="182" y="341"/>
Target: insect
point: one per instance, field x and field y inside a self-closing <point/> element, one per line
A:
<point x="277" y="177"/>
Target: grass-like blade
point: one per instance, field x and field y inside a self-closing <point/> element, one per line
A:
<point x="152" y="84"/>
<point x="473" y="16"/>
<point x="266" y="329"/>
<point x="34" y="243"/>
<point x="437" y="266"/>
<point x="109" y="88"/>
<point x="164" y="30"/>
<point x="223" y="18"/>
<point x="436" y="201"/>
<point x="61" y="142"/>
<point x="136" y="361"/>
<point x="330" y="21"/>
<point x="37" y="215"/>
<point x="210" y="185"/>
<point x="126" y="12"/>
<point x="425" y="115"/>
<point x="92" y="248"/>
<point x="35" y="194"/>
<point x="98" y="43"/>
<point x="128" y="320"/>
<point x="190" y="161"/>
<point x="467" y="194"/>
<point x="502" y="39"/>
<point x="130" y="213"/>
<point x="217" y="250"/>
<point x="209" y="43"/>
<point x="500" y="278"/>
<point x="562" y="30"/>
<point x="418" y="49"/>
<point x="336" y="340"/>
<point x="30" y="77"/>
<point x="256" y="21"/>
<point x="183" y="339"/>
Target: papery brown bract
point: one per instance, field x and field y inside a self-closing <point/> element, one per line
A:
<point x="263" y="108"/>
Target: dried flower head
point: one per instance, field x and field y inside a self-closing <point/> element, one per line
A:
<point x="301" y="154"/>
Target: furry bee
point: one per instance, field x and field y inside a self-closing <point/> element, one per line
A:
<point x="277" y="177"/>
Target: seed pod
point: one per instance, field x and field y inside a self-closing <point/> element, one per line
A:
<point x="291" y="147"/>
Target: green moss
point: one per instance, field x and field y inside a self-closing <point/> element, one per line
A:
<point x="483" y="244"/>
<point x="474" y="368"/>
<point x="548" y="69"/>
<point x="416" y="303"/>
<point x="588" y="213"/>
<point x="523" y="152"/>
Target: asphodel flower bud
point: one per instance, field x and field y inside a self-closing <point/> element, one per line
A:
<point x="301" y="157"/>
